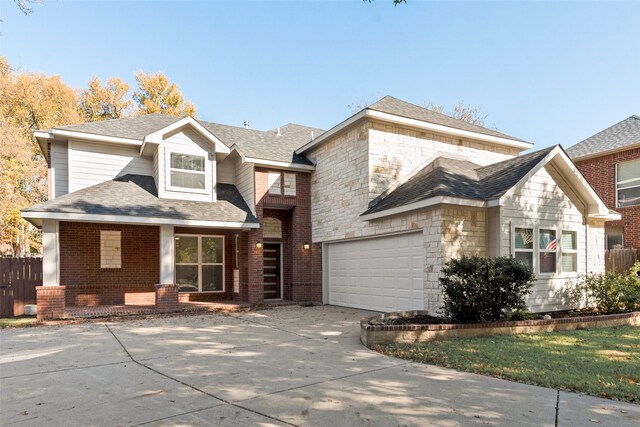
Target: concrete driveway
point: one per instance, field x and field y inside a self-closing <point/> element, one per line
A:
<point x="286" y="366"/>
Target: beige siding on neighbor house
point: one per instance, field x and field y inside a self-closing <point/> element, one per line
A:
<point x="59" y="170"/>
<point x="541" y="203"/>
<point x="396" y="152"/>
<point x="91" y="163"/>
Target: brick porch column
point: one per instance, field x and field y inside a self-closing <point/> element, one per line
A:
<point x="167" y="298"/>
<point x="255" y="267"/>
<point x="50" y="301"/>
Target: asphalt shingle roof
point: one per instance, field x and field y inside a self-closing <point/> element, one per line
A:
<point x="618" y="136"/>
<point x="395" y="106"/>
<point x="266" y="145"/>
<point x="460" y="178"/>
<point x="136" y="195"/>
<point x="134" y="127"/>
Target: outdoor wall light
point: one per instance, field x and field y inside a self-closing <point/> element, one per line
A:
<point x="259" y="245"/>
<point x="306" y="246"/>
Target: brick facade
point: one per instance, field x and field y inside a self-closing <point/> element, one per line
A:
<point x="601" y="174"/>
<point x="88" y="284"/>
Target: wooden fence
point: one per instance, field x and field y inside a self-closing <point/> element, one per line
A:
<point x="18" y="280"/>
<point x="620" y="260"/>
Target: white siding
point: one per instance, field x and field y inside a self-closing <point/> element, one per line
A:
<point x="59" y="169"/>
<point x="189" y="142"/>
<point x="541" y="203"/>
<point x="91" y="163"/>
<point x="245" y="182"/>
<point x="227" y="171"/>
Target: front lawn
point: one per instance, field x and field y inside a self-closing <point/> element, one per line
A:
<point x="600" y="362"/>
<point x="17" y="322"/>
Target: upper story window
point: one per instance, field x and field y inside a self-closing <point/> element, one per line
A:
<point x="187" y="171"/>
<point x="282" y="183"/>
<point x="628" y="183"/>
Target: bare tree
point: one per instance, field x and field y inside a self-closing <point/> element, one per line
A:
<point x="26" y="6"/>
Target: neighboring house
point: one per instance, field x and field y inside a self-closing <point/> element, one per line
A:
<point x="610" y="160"/>
<point x="363" y="215"/>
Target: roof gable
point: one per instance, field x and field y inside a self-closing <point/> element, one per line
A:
<point x="622" y="135"/>
<point x="463" y="180"/>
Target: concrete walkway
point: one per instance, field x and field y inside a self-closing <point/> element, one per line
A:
<point x="286" y="366"/>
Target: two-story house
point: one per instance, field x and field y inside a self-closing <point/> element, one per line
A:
<point x="610" y="160"/>
<point x="363" y="215"/>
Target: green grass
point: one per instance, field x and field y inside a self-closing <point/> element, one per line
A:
<point x="600" y="362"/>
<point x="17" y="322"/>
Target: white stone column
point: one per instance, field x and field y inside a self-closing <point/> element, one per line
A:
<point x="50" y="253"/>
<point x="166" y="254"/>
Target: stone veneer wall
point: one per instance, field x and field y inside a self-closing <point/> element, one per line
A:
<point x="340" y="193"/>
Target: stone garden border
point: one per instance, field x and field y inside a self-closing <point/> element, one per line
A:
<point x="373" y="335"/>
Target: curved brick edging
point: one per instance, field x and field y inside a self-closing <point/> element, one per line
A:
<point x="372" y="335"/>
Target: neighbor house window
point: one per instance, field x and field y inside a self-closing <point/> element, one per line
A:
<point x="569" y="249"/>
<point x="199" y="263"/>
<point x="187" y="171"/>
<point x="628" y="183"/>
<point x="110" y="249"/>
<point x="548" y="246"/>
<point x="523" y="238"/>
<point x="614" y="237"/>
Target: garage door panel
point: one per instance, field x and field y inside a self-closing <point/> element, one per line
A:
<point x="382" y="274"/>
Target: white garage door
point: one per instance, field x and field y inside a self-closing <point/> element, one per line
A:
<point x="380" y="274"/>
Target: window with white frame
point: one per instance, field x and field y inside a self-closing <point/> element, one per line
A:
<point x="569" y="249"/>
<point x="548" y="248"/>
<point x="187" y="171"/>
<point x="523" y="239"/>
<point x="548" y="256"/>
<point x="628" y="183"/>
<point x="199" y="263"/>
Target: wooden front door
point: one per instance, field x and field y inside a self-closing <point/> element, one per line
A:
<point x="272" y="271"/>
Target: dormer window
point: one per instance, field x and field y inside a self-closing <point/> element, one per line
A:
<point x="187" y="171"/>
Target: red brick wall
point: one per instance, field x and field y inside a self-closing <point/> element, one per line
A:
<point x="601" y="174"/>
<point x="87" y="283"/>
<point x="303" y="267"/>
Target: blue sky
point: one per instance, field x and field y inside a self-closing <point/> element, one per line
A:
<point x="546" y="72"/>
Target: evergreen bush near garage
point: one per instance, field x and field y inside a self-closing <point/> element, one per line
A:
<point x="480" y="289"/>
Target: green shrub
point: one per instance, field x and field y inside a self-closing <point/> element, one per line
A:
<point x="609" y="292"/>
<point x="477" y="289"/>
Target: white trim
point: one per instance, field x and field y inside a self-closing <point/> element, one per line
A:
<point x="95" y="137"/>
<point x="157" y="136"/>
<point x="274" y="163"/>
<point x="126" y="219"/>
<point x="167" y="253"/>
<point x="432" y="201"/>
<point x="50" y="253"/>
<point x="200" y="264"/>
<point x="595" y="208"/>
<point x="420" y="124"/>
<point x="167" y="170"/>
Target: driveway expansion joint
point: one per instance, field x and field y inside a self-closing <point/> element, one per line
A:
<point x="228" y="402"/>
<point x="64" y="369"/>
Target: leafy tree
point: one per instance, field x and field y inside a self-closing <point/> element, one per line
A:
<point x="157" y="95"/>
<point x="99" y="102"/>
<point x="29" y="101"/>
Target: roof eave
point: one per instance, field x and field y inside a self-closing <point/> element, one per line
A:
<point x="414" y="123"/>
<point x="605" y="152"/>
<point x="36" y="218"/>
<point x="423" y="204"/>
